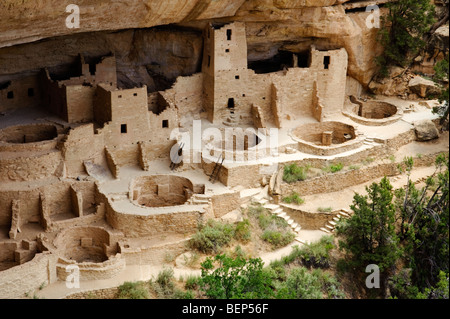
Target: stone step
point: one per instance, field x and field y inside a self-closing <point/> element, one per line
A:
<point x="332" y="223"/>
<point x="290" y="221"/>
<point x="344" y="214"/>
<point x="345" y="210"/>
<point x="285" y="217"/>
<point x="273" y="207"/>
<point x="329" y="226"/>
<point x="297" y="229"/>
<point x="282" y="214"/>
<point x="294" y="225"/>
<point x="325" y="230"/>
<point x="277" y="211"/>
<point x="336" y="219"/>
<point x="300" y="240"/>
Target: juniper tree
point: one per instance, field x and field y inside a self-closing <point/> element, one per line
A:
<point x="402" y="31"/>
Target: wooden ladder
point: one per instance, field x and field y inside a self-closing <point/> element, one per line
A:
<point x="215" y="173"/>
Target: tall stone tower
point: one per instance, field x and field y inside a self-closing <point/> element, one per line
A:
<point x="224" y="63"/>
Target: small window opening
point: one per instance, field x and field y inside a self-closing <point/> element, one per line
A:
<point x="123" y="128"/>
<point x="227" y="50"/>
<point x="228" y="34"/>
<point x="237" y="77"/>
<point x="135" y="94"/>
<point x="230" y="103"/>
<point x="326" y="62"/>
<point x="120" y="96"/>
<point x="10" y="95"/>
<point x="30" y="92"/>
<point x="165" y="123"/>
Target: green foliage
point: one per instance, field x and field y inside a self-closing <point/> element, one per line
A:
<point x="424" y="224"/>
<point x="353" y="167"/>
<point x="133" y="290"/>
<point x="293" y="198"/>
<point x="402" y="31"/>
<point x="224" y="277"/>
<point x="192" y="282"/>
<point x="317" y="254"/>
<point x="333" y="168"/>
<point x="293" y="173"/>
<point x="242" y="231"/>
<point x="275" y="229"/>
<point x="369" y="235"/>
<point x="325" y="209"/>
<point x="441" y="73"/>
<point x="277" y="238"/>
<point x="300" y="284"/>
<point x="212" y="237"/>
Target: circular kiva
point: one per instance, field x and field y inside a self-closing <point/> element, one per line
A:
<point x="32" y="133"/>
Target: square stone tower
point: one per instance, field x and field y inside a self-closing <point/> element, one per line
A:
<point x="224" y="57"/>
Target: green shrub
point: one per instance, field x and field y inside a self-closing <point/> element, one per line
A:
<point x="353" y="167"/>
<point x="133" y="290"/>
<point x="192" y="282"/>
<point x="293" y="173"/>
<point x="293" y="198"/>
<point x="300" y="284"/>
<point x="242" y="231"/>
<point x="317" y="254"/>
<point x="333" y="168"/>
<point x="277" y="238"/>
<point x="324" y="209"/>
<point x="212" y="237"/>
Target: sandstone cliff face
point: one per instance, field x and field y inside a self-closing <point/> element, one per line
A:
<point x="156" y="56"/>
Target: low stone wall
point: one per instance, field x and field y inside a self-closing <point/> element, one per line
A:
<point x="154" y="255"/>
<point x="225" y="203"/>
<point x="308" y="220"/>
<point x="106" y="293"/>
<point x="90" y="270"/>
<point x="155" y="222"/>
<point x="28" y="276"/>
<point x="334" y="182"/>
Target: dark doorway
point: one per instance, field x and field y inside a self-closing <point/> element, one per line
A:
<point x="228" y="34"/>
<point x="326" y="62"/>
<point x="230" y="103"/>
<point x="123" y="128"/>
<point x="303" y="59"/>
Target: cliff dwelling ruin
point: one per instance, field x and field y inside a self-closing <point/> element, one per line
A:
<point x="88" y="176"/>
